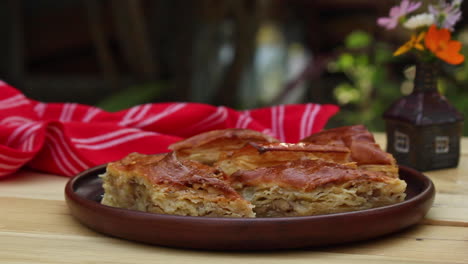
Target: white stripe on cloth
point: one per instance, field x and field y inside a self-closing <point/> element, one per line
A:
<point x="2" y="83"/>
<point x="280" y="122"/>
<point x="18" y="132"/>
<point x="67" y="112"/>
<point x="12" y="160"/>
<point x="311" y="121"/>
<point x="224" y="115"/>
<point x="168" y="111"/>
<point x="61" y="156"/>
<point x="304" y="119"/>
<point x="240" y="121"/>
<point x="273" y="121"/>
<point x="40" y="109"/>
<point x="28" y="134"/>
<point x="59" y="160"/>
<point x="29" y="144"/>
<point x="128" y="115"/>
<point x="90" y="114"/>
<point x="277" y="121"/>
<point x="247" y="120"/>
<point x="66" y="147"/>
<point x="268" y="132"/>
<point x="135" y="114"/>
<point x="244" y="120"/>
<point x="144" y="109"/>
<point x="116" y="142"/>
<point x="15" y="121"/>
<point x="105" y="137"/>
<point x="13" y="101"/>
<point x="63" y="112"/>
<point x="9" y="166"/>
<point x="215" y="118"/>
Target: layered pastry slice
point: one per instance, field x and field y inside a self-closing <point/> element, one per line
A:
<point x="364" y="150"/>
<point x="207" y="147"/>
<point x="168" y="185"/>
<point x="311" y="187"/>
<point x="255" y="155"/>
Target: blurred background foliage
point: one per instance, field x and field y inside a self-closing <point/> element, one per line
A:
<point x="368" y="85"/>
<point x="240" y="53"/>
<point x="372" y="78"/>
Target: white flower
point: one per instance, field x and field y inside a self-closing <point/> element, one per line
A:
<point x="421" y="20"/>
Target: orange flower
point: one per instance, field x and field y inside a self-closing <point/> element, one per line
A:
<point x="440" y="43"/>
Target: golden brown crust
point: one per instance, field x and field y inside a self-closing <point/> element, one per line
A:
<point x="207" y="147"/>
<point x="227" y="173"/>
<point x="231" y="134"/>
<point x="173" y="172"/>
<point x="135" y="160"/>
<point x="304" y="175"/>
<point x="358" y="139"/>
<point x="298" y="147"/>
<point x="311" y="187"/>
<point x="255" y="155"/>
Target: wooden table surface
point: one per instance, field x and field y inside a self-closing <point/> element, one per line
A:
<point x="36" y="227"/>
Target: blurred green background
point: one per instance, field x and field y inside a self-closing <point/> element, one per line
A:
<point x="238" y="53"/>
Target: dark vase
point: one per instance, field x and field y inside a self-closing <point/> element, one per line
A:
<point x="424" y="129"/>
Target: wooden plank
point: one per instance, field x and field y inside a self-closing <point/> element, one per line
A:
<point x="464" y="145"/>
<point x="39" y="216"/>
<point x="451" y="181"/>
<point x="420" y="245"/>
<point x="449" y="209"/>
<point x="46" y="226"/>
<point x="381" y="139"/>
<point x="60" y="249"/>
<point x="437" y="243"/>
<point x="35" y="185"/>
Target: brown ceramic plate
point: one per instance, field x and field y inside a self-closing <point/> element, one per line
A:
<point x="83" y="194"/>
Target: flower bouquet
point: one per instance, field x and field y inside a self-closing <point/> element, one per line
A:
<point x="431" y="30"/>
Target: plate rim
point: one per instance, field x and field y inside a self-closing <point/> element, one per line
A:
<point x="69" y="190"/>
<point x="73" y="199"/>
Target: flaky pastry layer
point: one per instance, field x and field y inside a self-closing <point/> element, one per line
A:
<point x="171" y="186"/>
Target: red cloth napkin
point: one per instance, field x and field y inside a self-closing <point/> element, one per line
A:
<point x="67" y="138"/>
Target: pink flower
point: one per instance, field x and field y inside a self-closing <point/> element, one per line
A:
<point x="447" y="15"/>
<point x="397" y="12"/>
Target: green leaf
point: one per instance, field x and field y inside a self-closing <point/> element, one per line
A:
<point x="362" y="60"/>
<point x="358" y="40"/>
<point x="383" y="54"/>
<point x="345" y="93"/>
<point x="345" y="61"/>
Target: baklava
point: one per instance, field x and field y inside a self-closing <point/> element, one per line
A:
<point x="255" y="155"/>
<point x="207" y="147"/>
<point x="312" y="187"/>
<point x="245" y="173"/>
<point x="363" y="149"/>
<point x="166" y="184"/>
